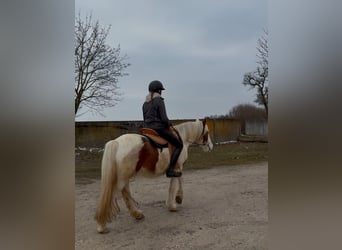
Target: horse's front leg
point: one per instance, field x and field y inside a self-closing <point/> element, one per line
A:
<point x="179" y="195"/>
<point x="170" y="203"/>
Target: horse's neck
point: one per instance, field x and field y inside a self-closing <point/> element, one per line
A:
<point x="188" y="131"/>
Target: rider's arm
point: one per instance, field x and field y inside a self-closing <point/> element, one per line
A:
<point x="163" y="115"/>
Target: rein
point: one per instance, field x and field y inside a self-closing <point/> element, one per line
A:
<point x="203" y="130"/>
<point x="202" y="135"/>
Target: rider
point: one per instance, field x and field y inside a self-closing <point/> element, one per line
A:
<point x="155" y="117"/>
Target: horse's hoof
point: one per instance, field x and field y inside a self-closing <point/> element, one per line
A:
<point x="138" y="215"/>
<point x="179" y="199"/>
<point x="173" y="208"/>
<point x="102" y="230"/>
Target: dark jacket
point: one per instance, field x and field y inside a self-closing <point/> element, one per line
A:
<point x="154" y="112"/>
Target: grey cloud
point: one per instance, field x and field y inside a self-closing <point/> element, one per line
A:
<point x="195" y="47"/>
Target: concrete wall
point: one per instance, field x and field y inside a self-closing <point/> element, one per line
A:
<point x="96" y="134"/>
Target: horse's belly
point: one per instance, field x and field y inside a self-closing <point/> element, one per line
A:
<point x="136" y="153"/>
<point x="154" y="162"/>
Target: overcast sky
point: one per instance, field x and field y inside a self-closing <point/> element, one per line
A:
<point x="199" y="50"/>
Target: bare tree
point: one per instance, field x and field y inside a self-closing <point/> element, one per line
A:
<point x="259" y="79"/>
<point x="247" y="112"/>
<point x="97" y="67"/>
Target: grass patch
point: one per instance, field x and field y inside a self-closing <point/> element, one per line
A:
<point x="88" y="164"/>
<point x="227" y="155"/>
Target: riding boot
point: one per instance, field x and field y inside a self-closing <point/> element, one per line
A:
<point x="170" y="172"/>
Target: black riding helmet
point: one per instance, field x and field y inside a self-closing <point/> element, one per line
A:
<point x="155" y="85"/>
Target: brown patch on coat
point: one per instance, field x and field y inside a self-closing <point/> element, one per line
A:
<point x="148" y="157"/>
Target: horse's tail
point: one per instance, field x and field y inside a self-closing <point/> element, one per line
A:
<point x="108" y="207"/>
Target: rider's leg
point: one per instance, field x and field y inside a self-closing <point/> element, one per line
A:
<point x="178" y="146"/>
<point x="170" y="172"/>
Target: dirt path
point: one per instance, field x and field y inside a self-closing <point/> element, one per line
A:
<point x="223" y="208"/>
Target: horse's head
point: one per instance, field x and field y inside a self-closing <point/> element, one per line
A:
<point x="204" y="140"/>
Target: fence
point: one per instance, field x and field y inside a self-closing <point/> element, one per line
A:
<point x="256" y="127"/>
<point x="96" y="134"/>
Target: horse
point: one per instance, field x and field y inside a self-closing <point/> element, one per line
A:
<point x="130" y="154"/>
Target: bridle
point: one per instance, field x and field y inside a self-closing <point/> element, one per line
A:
<point x="204" y="135"/>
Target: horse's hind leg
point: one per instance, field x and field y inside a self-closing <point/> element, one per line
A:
<point x="179" y="195"/>
<point x="131" y="203"/>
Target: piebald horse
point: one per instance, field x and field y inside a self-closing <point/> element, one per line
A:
<point x="129" y="154"/>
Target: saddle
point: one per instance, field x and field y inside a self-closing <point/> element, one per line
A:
<point x="156" y="140"/>
<point x="159" y="142"/>
<point x="154" y="137"/>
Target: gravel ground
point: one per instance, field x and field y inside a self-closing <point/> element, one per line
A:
<point x="223" y="208"/>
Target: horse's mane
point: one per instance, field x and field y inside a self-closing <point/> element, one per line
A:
<point x="187" y="128"/>
<point x="185" y="125"/>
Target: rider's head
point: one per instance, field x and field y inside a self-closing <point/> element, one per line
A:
<point x="155" y="86"/>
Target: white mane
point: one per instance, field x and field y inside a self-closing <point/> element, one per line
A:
<point x="190" y="131"/>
